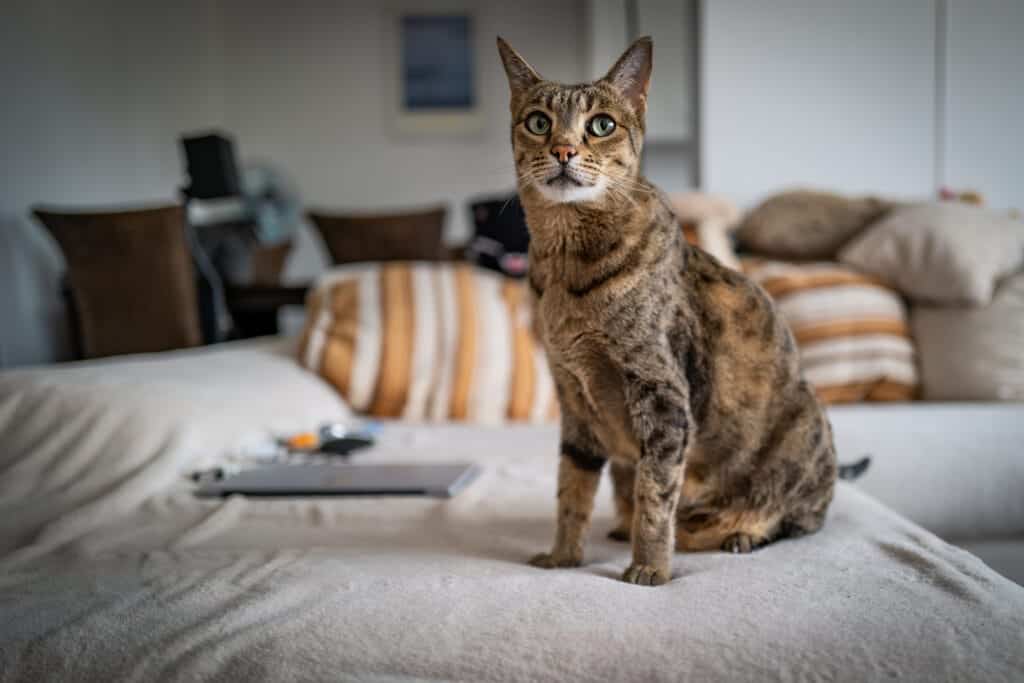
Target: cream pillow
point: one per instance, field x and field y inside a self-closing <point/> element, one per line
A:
<point x="974" y="353"/>
<point x="947" y="253"/>
<point x="712" y="236"/>
<point x="707" y="222"/>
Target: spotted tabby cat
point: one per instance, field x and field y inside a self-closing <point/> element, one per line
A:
<point x="673" y="367"/>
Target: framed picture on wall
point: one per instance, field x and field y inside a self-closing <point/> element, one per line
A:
<point x="437" y="62"/>
<point x="434" y="53"/>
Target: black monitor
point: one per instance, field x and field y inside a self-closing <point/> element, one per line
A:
<point x="211" y="167"/>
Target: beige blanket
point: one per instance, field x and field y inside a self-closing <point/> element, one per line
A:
<point x="111" y="570"/>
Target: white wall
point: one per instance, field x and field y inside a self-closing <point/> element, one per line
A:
<point x="672" y="26"/>
<point x="984" y="100"/>
<point x="308" y="90"/>
<point x="670" y="159"/>
<point x="94" y="97"/>
<point x="841" y="95"/>
<point x="801" y="92"/>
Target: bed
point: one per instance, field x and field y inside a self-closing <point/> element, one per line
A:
<point x="110" y="569"/>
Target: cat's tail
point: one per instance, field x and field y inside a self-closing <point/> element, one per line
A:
<point x="854" y="470"/>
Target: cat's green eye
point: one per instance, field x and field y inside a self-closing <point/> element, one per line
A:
<point x="538" y="123"/>
<point x="601" y="125"/>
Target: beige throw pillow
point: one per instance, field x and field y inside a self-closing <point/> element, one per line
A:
<point x="802" y="225"/>
<point x="974" y="353"/>
<point x="948" y="253"/>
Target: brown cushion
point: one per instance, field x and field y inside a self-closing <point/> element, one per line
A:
<point x="131" y="278"/>
<point x="382" y="237"/>
<point x="804" y="225"/>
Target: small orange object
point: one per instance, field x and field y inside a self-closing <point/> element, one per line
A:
<point x="304" y="440"/>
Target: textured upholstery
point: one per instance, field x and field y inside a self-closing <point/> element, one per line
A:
<point x="131" y="278"/>
<point x="382" y="237"/>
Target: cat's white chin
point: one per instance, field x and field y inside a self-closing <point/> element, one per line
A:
<point x="564" y="193"/>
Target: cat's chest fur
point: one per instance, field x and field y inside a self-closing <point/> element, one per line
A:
<point x="603" y="295"/>
<point x="581" y="354"/>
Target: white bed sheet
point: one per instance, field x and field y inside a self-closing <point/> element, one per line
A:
<point x="111" y="570"/>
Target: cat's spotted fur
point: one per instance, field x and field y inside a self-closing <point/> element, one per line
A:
<point x="669" y="365"/>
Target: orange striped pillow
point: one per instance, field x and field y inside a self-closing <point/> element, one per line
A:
<point x="851" y="330"/>
<point x="428" y="341"/>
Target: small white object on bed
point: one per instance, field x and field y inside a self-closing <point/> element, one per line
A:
<point x="111" y="569"/>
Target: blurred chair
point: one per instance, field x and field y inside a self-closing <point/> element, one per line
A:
<point x="413" y="236"/>
<point x="131" y="279"/>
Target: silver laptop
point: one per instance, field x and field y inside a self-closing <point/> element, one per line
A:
<point x="440" y="480"/>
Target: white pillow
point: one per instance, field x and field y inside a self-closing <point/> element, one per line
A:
<point x="940" y="253"/>
<point x="973" y="353"/>
<point x="84" y="443"/>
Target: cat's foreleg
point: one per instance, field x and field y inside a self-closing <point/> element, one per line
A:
<point x="660" y="414"/>
<point x="579" y="472"/>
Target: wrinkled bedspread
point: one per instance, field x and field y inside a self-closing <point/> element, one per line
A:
<point x="111" y="570"/>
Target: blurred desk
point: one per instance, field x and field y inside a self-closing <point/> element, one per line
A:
<point x="254" y="308"/>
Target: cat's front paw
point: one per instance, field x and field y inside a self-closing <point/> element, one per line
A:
<point x="646" y="575"/>
<point x="555" y="560"/>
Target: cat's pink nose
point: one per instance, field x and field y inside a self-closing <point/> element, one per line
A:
<point x="563" y="153"/>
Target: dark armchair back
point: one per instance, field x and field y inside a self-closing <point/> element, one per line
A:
<point x="413" y="236"/>
<point x="131" y="277"/>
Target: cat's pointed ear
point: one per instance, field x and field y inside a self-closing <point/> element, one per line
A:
<point x="521" y="75"/>
<point x="631" y="75"/>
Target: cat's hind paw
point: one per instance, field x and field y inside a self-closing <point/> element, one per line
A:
<point x="739" y="543"/>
